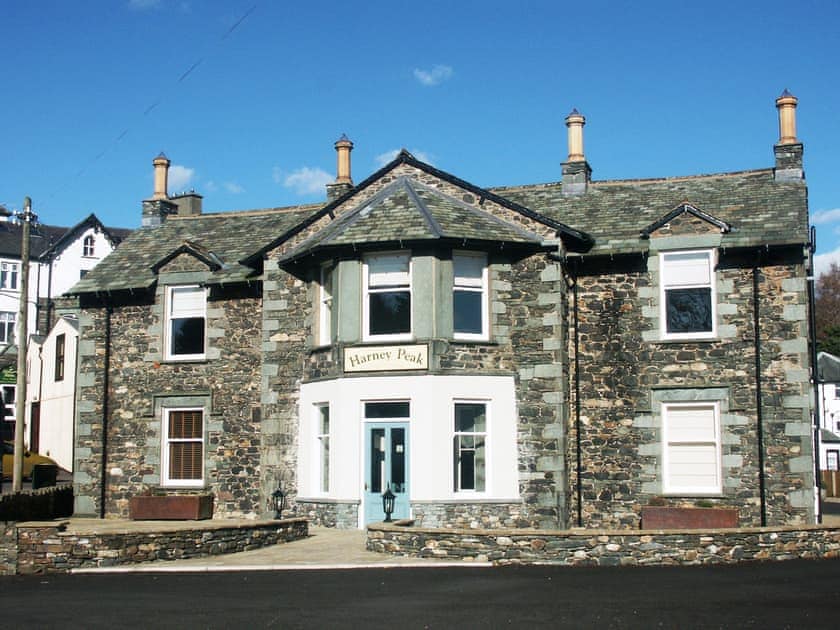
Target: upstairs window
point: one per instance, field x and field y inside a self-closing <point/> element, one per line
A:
<point x="8" y="276"/>
<point x="185" y="322"/>
<point x="183" y="447"/>
<point x="687" y="294"/>
<point x="691" y="449"/>
<point x="387" y="285"/>
<point x="325" y="302"/>
<point x="88" y="246"/>
<point x="7" y="328"/>
<point x="469" y="296"/>
<point x="59" y="358"/>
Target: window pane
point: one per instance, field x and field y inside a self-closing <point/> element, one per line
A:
<point x="185" y="425"/>
<point x="467" y="312"/>
<point x="689" y="310"/>
<point x="469" y="270"/>
<point x="470" y="418"/>
<point x="398" y="460"/>
<point x="687" y="269"/>
<point x="390" y="312"/>
<point x="375" y="410"/>
<point x="187" y="301"/>
<point x="377" y="459"/>
<point x="187" y="336"/>
<point x="388" y="271"/>
<point x="185" y="460"/>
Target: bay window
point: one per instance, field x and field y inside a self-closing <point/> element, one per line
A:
<point x="387" y="302"/>
<point x="469" y="296"/>
<point x="469" y="447"/>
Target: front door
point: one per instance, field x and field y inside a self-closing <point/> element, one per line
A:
<point x="386" y="466"/>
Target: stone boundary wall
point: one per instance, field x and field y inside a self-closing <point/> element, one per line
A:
<point x="8" y="548"/>
<point x="52" y="548"/>
<point x="607" y="547"/>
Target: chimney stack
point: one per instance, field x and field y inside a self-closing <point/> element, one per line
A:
<point x="156" y="209"/>
<point x="789" y="149"/>
<point x="576" y="171"/>
<point x="343" y="180"/>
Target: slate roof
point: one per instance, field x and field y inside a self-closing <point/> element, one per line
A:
<point x="751" y="208"/>
<point x="229" y="237"/>
<point x="46" y="240"/>
<point x="828" y="368"/>
<point x="409" y="211"/>
<point x="758" y="209"/>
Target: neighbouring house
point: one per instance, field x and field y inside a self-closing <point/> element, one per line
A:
<point x="555" y="355"/>
<point x="59" y="257"/>
<point x="828" y="374"/>
<point x="51" y="381"/>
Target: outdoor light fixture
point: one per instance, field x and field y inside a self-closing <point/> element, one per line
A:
<point x="279" y="502"/>
<point x="388" y="498"/>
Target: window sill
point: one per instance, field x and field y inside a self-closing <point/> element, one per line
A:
<point x="184" y="361"/>
<point x="684" y="340"/>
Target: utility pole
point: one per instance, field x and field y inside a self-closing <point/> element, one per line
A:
<point x="27" y="218"/>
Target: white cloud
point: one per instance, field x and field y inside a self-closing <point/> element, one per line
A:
<point x="822" y="262"/>
<point x="383" y="158"/>
<point x="304" y="180"/>
<point x="180" y="177"/>
<point x="233" y="188"/>
<point x="210" y="186"/>
<point x="825" y="216"/>
<point x="436" y="75"/>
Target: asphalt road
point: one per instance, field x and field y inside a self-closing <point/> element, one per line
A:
<point x="794" y="594"/>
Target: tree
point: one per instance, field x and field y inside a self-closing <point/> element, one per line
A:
<point x="827" y="311"/>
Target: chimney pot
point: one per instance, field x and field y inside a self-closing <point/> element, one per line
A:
<point x="161" y="164"/>
<point x="343" y="146"/>
<point x="575" y="122"/>
<point x="786" y="104"/>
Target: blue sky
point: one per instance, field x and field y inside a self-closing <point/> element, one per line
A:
<point x="247" y="97"/>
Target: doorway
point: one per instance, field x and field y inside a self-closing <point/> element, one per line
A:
<point x="386" y="459"/>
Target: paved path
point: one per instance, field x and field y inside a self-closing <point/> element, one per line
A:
<point x="326" y="548"/>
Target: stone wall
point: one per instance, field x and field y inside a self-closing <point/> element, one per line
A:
<point x="141" y="383"/>
<point x="626" y="372"/>
<point x="338" y="514"/>
<point x="8" y="548"/>
<point x="607" y="547"/>
<point x="52" y="548"/>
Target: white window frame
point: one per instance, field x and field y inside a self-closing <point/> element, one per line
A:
<point x="669" y="446"/>
<point x="165" y="481"/>
<point x="468" y="285"/>
<point x="323" y="458"/>
<point x="456" y="468"/>
<point x="367" y="291"/>
<point x="665" y="286"/>
<point x="326" y="290"/>
<point x="9" y="407"/>
<point x="9" y="276"/>
<point x="7" y="333"/>
<point x="199" y="312"/>
<point x="89" y="246"/>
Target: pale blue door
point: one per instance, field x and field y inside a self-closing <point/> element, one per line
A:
<point x="386" y="466"/>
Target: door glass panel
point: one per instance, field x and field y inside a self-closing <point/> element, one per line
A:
<point x="375" y="410"/>
<point x="377" y="459"/>
<point x="398" y="460"/>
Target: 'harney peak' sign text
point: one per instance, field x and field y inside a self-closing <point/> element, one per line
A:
<point x="386" y="358"/>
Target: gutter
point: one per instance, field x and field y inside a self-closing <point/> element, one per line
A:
<point x="759" y="415"/>
<point x="105" y="411"/>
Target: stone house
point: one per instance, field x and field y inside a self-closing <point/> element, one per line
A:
<point x="547" y="355"/>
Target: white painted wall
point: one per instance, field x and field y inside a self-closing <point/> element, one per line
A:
<point x="431" y="428"/>
<point x="66" y="267"/>
<point x="55" y="397"/>
<point x="829" y="417"/>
